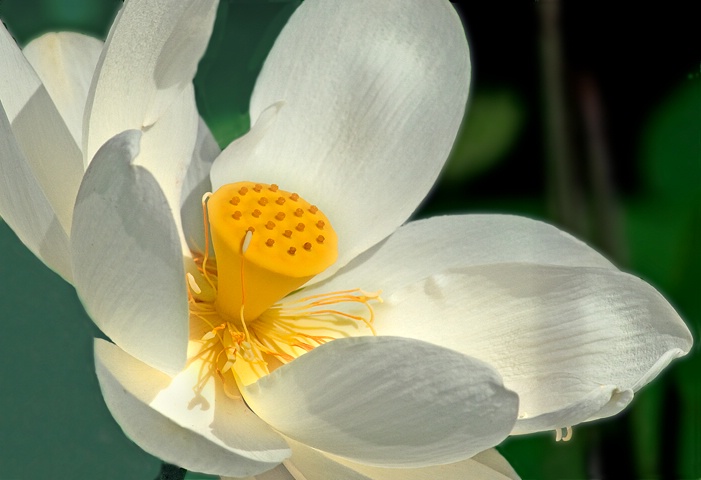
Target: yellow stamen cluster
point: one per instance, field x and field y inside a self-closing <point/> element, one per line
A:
<point x="268" y="243"/>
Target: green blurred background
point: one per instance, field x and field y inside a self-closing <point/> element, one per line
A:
<point x="583" y="114"/>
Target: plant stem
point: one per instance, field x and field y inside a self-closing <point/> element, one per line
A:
<point x="171" y="472"/>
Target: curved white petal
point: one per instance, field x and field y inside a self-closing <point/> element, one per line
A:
<point x="387" y="401"/>
<point x="374" y="93"/>
<point x="150" y="57"/>
<point x="310" y="464"/>
<point x="204" y="431"/>
<point x="167" y="149"/>
<point x="41" y="134"/>
<point x="493" y="460"/>
<point x="65" y="62"/>
<point x="570" y="341"/>
<point x="127" y="261"/>
<point x="195" y="184"/>
<point x="25" y="207"/>
<point x="594" y="402"/>
<point x="421" y="248"/>
<point x="277" y="473"/>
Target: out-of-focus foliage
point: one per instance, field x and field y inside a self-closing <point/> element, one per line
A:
<point x="492" y="124"/>
<point x="243" y="34"/>
<point x="671" y="146"/>
<point x="664" y="234"/>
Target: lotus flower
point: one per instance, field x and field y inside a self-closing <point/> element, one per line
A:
<point x="268" y="304"/>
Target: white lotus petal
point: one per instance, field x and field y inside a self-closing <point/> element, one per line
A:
<point x="277" y="473"/>
<point x="308" y="463"/>
<point x="570" y="341"/>
<point x="596" y="401"/>
<point x="26" y="209"/>
<point x="127" y="260"/>
<point x="387" y="401"/>
<point x="167" y="149"/>
<point x="492" y="459"/>
<point x="41" y="133"/>
<point x="421" y="248"/>
<point x="196" y="183"/>
<point x="150" y="57"/>
<point x="374" y="93"/>
<point x="65" y="62"/>
<point x="204" y="431"/>
<point x="311" y="464"/>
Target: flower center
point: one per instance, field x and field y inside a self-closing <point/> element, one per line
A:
<point x="268" y="243"/>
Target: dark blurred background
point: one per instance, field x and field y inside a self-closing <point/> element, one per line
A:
<point x="583" y="114"/>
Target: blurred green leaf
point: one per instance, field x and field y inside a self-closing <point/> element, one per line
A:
<point x="671" y="146"/>
<point x="243" y="35"/>
<point x="656" y="230"/>
<point x="27" y="19"/>
<point x="200" y="476"/>
<point x="54" y="422"/>
<point x="646" y="425"/>
<point x="493" y="122"/>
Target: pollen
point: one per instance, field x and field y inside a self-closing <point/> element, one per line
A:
<point x="272" y="265"/>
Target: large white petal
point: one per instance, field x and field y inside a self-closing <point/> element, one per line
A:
<point x="277" y="473"/>
<point x="167" y="149"/>
<point x="387" y="401"/>
<point x="574" y="343"/>
<point x="204" y="431"/>
<point x="65" y="63"/>
<point x="127" y="261"/>
<point x="150" y="57"/>
<point x="196" y="183"/>
<point x="373" y="94"/>
<point x="311" y="464"/>
<point x="41" y="133"/>
<point x="25" y="207"/>
<point x="421" y="248"/>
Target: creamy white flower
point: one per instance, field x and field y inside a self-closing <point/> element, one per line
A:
<point x="65" y="95"/>
<point x="489" y="324"/>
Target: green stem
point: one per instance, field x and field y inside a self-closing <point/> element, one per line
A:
<point x="171" y="472"/>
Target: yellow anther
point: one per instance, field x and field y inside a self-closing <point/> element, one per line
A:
<point x="269" y="268"/>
